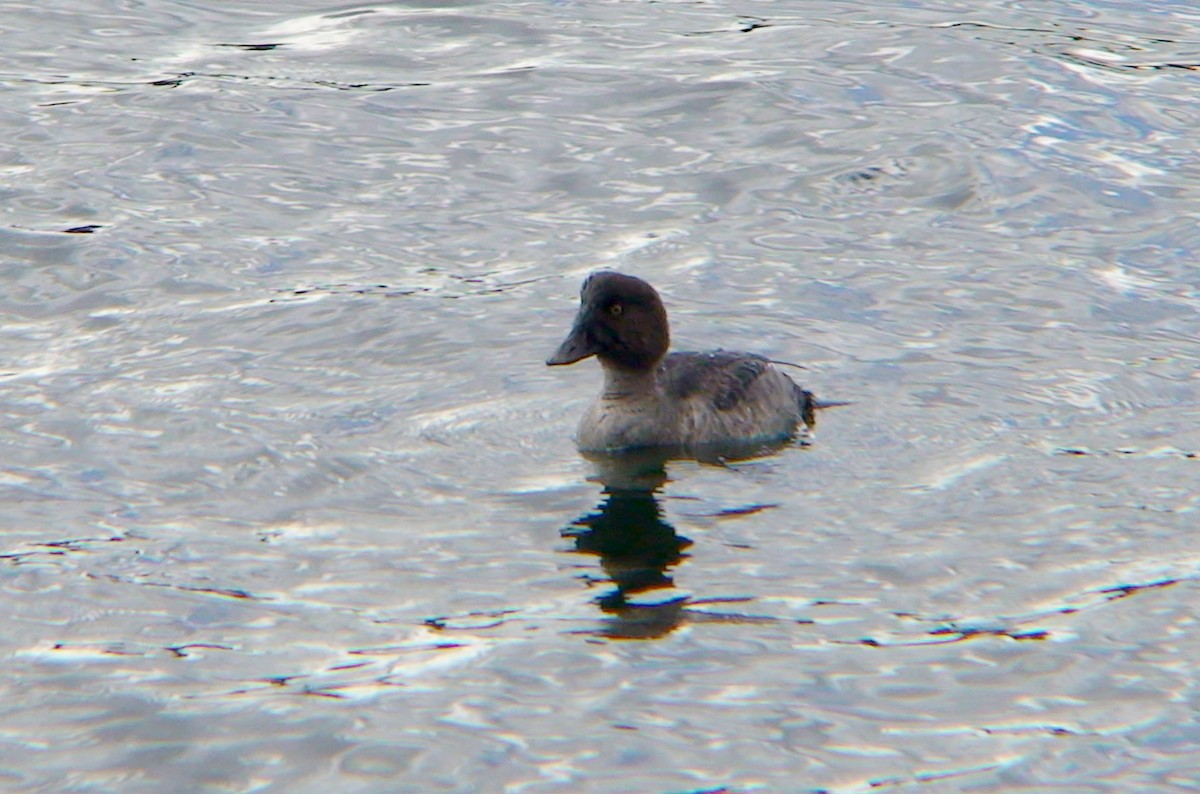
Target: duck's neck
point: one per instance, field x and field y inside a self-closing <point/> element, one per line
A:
<point x="624" y="384"/>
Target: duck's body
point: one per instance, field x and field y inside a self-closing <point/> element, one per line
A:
<point x="688" y="400"/>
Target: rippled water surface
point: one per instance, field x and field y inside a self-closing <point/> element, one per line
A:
<point x="290" y="499"/>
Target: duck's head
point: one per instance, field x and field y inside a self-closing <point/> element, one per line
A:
<point x="621" y="321"/>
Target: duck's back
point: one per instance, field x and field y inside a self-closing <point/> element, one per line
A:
<point x="724" y="396"/>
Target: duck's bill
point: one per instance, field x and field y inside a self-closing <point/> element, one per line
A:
<point x="577" y="346"/>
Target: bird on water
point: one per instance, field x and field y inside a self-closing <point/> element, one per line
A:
<point x="652" y="398"/>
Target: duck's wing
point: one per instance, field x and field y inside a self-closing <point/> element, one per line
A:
<point x="722" y="376"/>
<point x="731" y="380"/>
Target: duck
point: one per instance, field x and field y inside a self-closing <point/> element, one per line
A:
<point x="654" y="398"/>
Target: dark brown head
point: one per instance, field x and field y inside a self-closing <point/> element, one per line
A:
<point x="621" y="321"/>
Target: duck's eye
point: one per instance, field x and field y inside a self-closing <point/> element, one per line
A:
<point x="616" y="309"/>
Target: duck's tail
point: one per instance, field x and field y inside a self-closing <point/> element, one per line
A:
<point x="809" y="405"/>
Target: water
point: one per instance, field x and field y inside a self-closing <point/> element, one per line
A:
<point x="291" y="501"/>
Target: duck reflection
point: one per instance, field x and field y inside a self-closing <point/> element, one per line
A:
<point x="637" y="548"/>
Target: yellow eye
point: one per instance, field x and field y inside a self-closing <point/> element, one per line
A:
<point x="616" y="309"/>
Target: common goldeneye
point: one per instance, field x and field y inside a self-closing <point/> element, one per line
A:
<point x="652" y="398"/>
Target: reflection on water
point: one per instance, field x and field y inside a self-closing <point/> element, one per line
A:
<point x="638" y="548"/>
<point x="635" y="545"/>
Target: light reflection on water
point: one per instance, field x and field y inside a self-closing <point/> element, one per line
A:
<point x="292" y="503"/>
